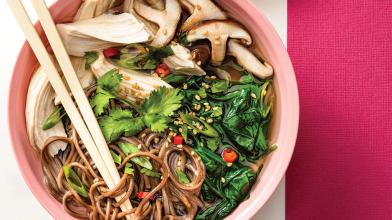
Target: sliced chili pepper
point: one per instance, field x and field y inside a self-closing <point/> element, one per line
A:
<point x="229" y="155"/>
<point x="111" y="52"/>
<point x="142" y="195"/>
<point x="162" y="70"/>
<point x="178" y="139"/>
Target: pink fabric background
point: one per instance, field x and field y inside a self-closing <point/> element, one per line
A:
<point x="342" y="165"/>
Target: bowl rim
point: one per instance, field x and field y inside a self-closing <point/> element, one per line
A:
<point x="257" y="202"/>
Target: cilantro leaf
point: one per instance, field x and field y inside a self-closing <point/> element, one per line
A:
<point x="120" y="122"/>
<point x="121" y="114"/>
<point x="163" y="101"/>
<point x="220" y="86"/>
<point x="90" y="57"/>
<point x="146" y="61"/>
<point x="216" y="111"/>
<point x="157" y="123"/>
<point x="100" y="101"/>
<point x="107" y="86"/>
<point x="202" y="93"/>
<point x="110" y="81"/>
<point x="182" y="39"/>
<point x="213" y="143"/>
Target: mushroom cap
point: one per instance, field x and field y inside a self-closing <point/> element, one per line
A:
<point x="248" y="60"/>
<point x="187" y="6"/>
<point x="128" y="6"/>
<point x="86" y="10"/>
<point x="218" y="32"/>
<point x="103" y="6"/>
<point x="157" y="4"/>
<point x="181" y="62"/>
<point x="167" y="20"/>
<point x="201" y="10"/>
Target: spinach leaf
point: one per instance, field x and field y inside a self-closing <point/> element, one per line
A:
<point x="206" y="193"/>
<point x="218" y="210"/>
<point x="243" y="119"/>
<point x="214" y="163"/>
<point x="238" y="182"/>
<point x="213" y="143"/>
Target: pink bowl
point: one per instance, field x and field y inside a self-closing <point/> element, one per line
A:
<point x="283" y="131"/>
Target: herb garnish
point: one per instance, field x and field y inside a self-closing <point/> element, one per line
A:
<point x="153" y="113"/>
<point x="107" y="86"/>
<point x="74" y="181"/>
<point x="54" y="118"/>
<point x="146" y="61"/>
<point x="90" y="57"/>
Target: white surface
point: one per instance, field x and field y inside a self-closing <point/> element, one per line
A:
<point x="13" y="189"/>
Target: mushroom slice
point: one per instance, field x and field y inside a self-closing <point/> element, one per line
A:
<point x="182" y="61"/>
<point x="158" y="4"/>
<point x="202" y="10"/>
<point x="221" y="73"/>
<point x="167" y="20"/>
<point x="218" y="32"/>
<point x="101" y="32"/>
<point x="86" y="10"/>
<point x="135" y="86"/>
<point x="129" y="5"/>
<point x="249" y="61"/>
<point x="39" y="105"/>
<point x="103" y="6"/>
<point x="187" y="6"/>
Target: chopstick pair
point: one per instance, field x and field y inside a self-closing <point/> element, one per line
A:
<point x="88" y="129"/>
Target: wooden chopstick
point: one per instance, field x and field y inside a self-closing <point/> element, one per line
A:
<point x="93" y="140"/>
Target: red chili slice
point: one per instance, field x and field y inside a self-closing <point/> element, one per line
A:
<point x="162" y="70"/>
<point x="142" y="195"/>
<point x="111" y="52"/>
<point x="229" y="155"/>
<point x="178" y="139"/>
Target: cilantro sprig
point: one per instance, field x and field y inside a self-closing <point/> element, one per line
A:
<point x="118" y="123"/>
<point x="154" y="114"/>
<point x="107" y="86"/>
<point x="146" y="61"/>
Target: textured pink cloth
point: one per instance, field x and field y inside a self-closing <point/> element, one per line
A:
<point x="342" y="55"/>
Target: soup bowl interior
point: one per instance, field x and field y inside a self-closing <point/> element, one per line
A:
<point x="283" y="129"/>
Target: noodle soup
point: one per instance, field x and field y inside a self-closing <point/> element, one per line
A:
<point x="182" y="99"/>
